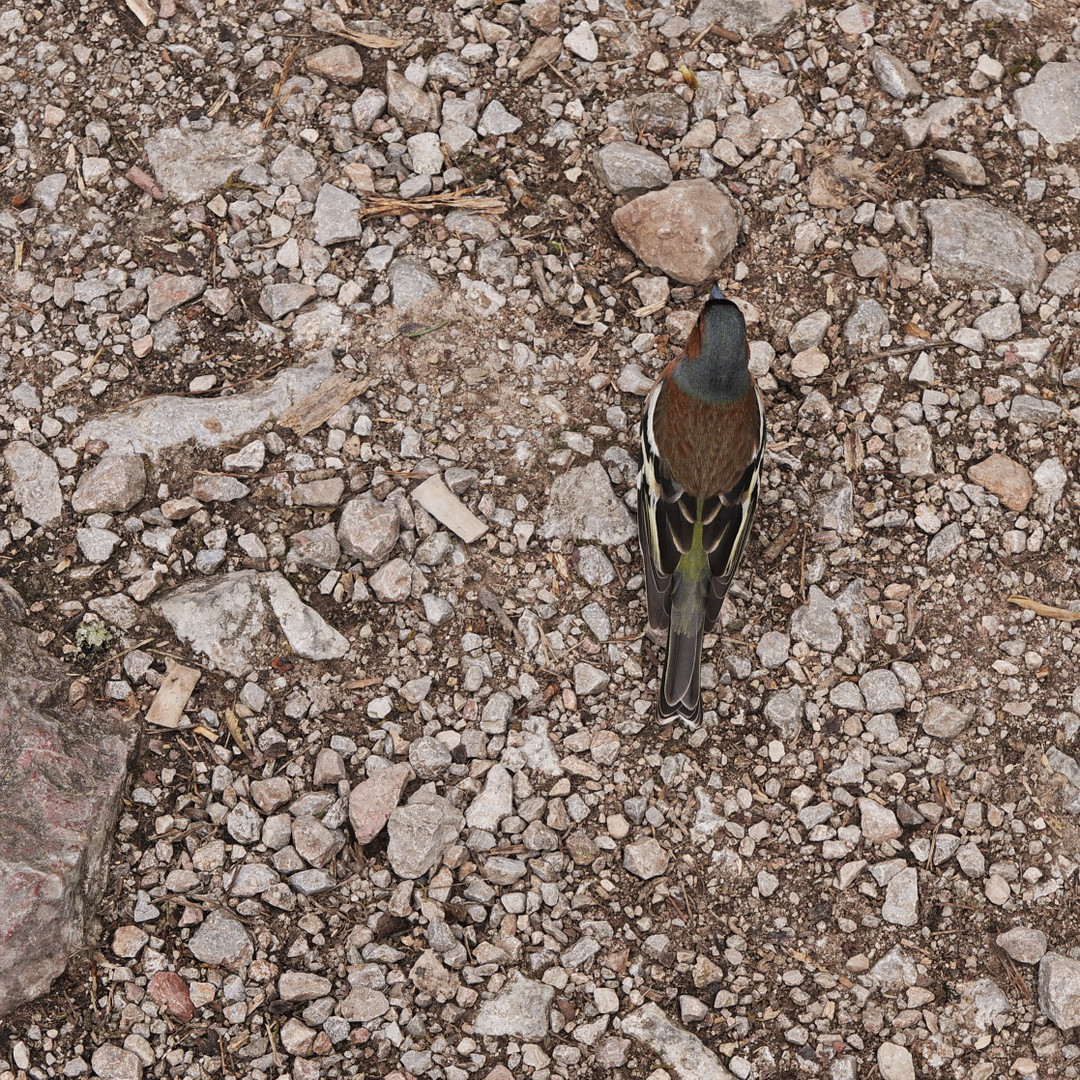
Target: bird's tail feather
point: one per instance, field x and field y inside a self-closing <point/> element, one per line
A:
<point x="680" y="685"/>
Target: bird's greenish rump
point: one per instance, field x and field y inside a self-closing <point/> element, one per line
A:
<point x="702" y="441"/>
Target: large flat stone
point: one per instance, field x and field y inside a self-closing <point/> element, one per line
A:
<point x="62" y="776"/>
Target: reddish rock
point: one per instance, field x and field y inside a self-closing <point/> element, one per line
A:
<point x="371" y="802"/>
<point x="168" y="989"/>
<point x="1005" y="478"/>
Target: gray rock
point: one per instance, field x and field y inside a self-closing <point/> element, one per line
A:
<point x="314" y="842"/>
<point x="882" y="692"/>
<point x="280" y="300"/>
<point x="1027" y="409"/>
<point x="581" y="41"/>
<point x="64" y="774"/>
<point x="895" y="1062"/>
<point x="409" y="105"/>
<point x="878" y="823"/>
<point x="363" y="1004"/>
<point x="945" y="543"/>
<point x="964" y="168"/>
<point x="893" y="75"/>
<point x="420" y="833"/>
<point x="496" y="120"/>
<point x="816" y="623"/>
<point x="687" y="1056"/>
<point x="494" y="802"/>
<point x="658" y="113"/>
<point x="583" y="506"/>
<point x="166" y="420"/>
<point x="1014" y="11"/>
<point x="752" y="17"/>
<point x="189" y="164"/>
<point x="96" y="545"/>
<point x="782" y="119"/>
<point x="999" y="323"/>
<point x="392" y="582"/>
<point x="35" y="482"/>
<point x="368" y="530"/>
<point x="338" y="63"/>
<point x="315" y="547"/>
<point x="629" y="169"/>
<point x="110" y="1062"/>
<point x="974" y="241"/>
<point x="47" y="191"/>
<point x="213" y="487"/>
<point x="1059" y="990"/>
<point x="836" y="509"/>
<point x="942" y="720"/>
<point x="372" y="802"/>
<point x="809" y="332"/>
<point x="773" y="649"/>
<point x="222" y="940"/>
<point x="1064" y="279"/>
<point x="410" y="282"/>
<point x="430" y="758"/>
<point x="869" y="262"/>
<point x="367" y="108"/>
<point x="425" y="153"/>
<point x="224" y="617"/>
<point x="915" y="449"/>
<point x="294" y="165"/>
<point x="901" y="905"/>
<point x="167" y="292"/>
<point x="1024" y="944"/>
<point x="589" y="680"/>
<point x="520" y="1009"/>
<point x="784" y="710"/>
<point x="1050" y="479"/>
<point x="1049" y="102"/>
<point x="337" y="216"/>
<point x="645" y="859"/>
<point x="303" y="986"/>
<point x="686" y="231"/>
<point x="866" y="325"/>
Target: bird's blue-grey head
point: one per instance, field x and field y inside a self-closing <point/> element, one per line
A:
<point x="713" y="368"/>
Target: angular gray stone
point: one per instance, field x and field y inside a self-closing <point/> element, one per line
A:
<point x="368" y="530"/>
<point x="999" y="323"/>
<point x="496" y="120"/>
<point x="1059" y="990"/>
<point x="658" y="113"/>
<point x="167" y="420"/>
<point x="895" y="1062"/>
<point x="64" y="774"/>
<point x="686" y="231"/>
<point x="629" y="169"/>
<point x="337" y="216"/>
<point x="945" y="543"/>
<point x="915" y="449"/>
<point x="1049" y="102"/>
<point x="277" y="301"/>
<point x="964" y="168"/>
<point x="1064" y="279"/>
<point x="222" y="940"/>
<point x="882" y="692"/>
<point x="1024" y="944"/>
<point x="409" y="105"/>
<point x="687" y="1056"/>
<point x="878" y="823"/>
<point x="315" y="547"/>
<point x="809" y="331"/>
<point x="583" y="506"/>
<point x="114" y="485"/>
<point x="189" y="165"/>
<point x="303" y="986"/>
<point x="223" y="618"/>
<point x="646" y="858"/>
<point x="901" y="905"/>
<point x="782" y="119"/>
<point x="784" y="710"/>
<point x="893" y="75"/>
<point x="35" y="481"/>
<point x="372" y="802"/>
<point x="816" y="622"/>
<point x="751" y="17"/>
<point x="338" y="63"/>
<point x="520" y="1009"/>
<point x="942" y="720"/>
<point x="866" y="325"/>
<point x="420" y="833"/>
<point x="1028" y="409"/>
<point x="167" y="292"/>
<point x="974" y="241"/>
<point x="495" y="801"/>
<point x="111" y="1062"/>
<point x="410" y="282"/>
<point x="392" y="582"/>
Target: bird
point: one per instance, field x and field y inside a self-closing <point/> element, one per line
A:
<point x="702" y="446"/>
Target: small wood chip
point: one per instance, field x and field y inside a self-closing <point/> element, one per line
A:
<point x="545" y="51"/>
<point x="443" y="505"/>
<point x="173" y="695"/>
<point x="315" y="409"/>
<point x="1051" y="612"/>
<point x="142" y="11"/>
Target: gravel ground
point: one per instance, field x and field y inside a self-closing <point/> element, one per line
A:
<point x="418" y="818"/>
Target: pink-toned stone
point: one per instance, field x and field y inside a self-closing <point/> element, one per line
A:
<point x="1005" y="478"/>
<point x="371" y="802"/>
<point x="168" y="989"/>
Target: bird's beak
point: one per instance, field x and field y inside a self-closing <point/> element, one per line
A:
<point x="717" y="293"/>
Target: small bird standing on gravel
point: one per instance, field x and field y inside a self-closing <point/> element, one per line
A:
<point x="702" y="442"/>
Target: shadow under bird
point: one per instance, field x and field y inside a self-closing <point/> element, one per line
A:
<point x="702" y="443"/>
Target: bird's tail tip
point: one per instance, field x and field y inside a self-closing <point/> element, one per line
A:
<point x="717" y="293"/>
